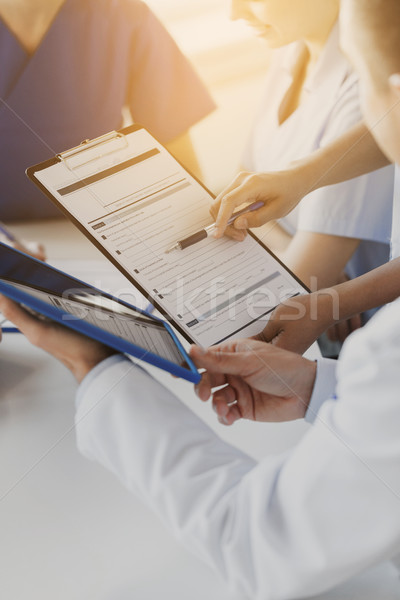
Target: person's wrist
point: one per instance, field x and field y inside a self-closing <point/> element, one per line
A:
<point x="325" y="308"/>
<point x="81" y="368"/>
<point x="303" y="177"/>
<point x="351" y="300"/>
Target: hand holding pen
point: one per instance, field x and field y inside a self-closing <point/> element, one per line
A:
<point x="31" y="248"/>
<point x="209" y="230"/>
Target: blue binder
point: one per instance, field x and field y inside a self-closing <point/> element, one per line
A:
<point x="51" y="293"/>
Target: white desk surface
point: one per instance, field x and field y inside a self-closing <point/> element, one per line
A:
<point x="68" y="528"/>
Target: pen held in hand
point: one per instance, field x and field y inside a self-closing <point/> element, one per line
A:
<point x="6" y="233"/>
<point x="206" y="231"/>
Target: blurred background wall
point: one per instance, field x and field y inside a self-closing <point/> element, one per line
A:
<point x="232" y="62"/>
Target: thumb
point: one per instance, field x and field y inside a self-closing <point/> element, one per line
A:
<point x="217" y="360"/>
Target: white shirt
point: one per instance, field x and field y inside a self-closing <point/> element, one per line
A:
<point x="360" y="208"/>
<point x="289" y="526"/>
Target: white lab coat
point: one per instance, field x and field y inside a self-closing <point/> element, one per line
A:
<point x="287" y="526"/>
<point x="396" y="215"/>
<point x="360" y="208"/>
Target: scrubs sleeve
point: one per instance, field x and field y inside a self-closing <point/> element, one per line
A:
<point x="165" y="94"/>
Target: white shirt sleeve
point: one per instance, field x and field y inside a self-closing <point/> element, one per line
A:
<point x="350" y="208"/>
<point x="288" y="526"/>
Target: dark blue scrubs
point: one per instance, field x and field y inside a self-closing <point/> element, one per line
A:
<point x="97" y="56"/>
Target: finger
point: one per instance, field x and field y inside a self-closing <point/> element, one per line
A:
<point x="222" y="399"/>
<point x="234" y="401"/>
<point x="355" y="323"/>
<point x="35" y="330"/>
<point x="342" y="331"/>
<point x="228" y="204"/>
<point x="227" y="411"/>
<point x="14" y="313"/>
<point x="207" y="383"/>
<point x="41" y="252"/>
<point x="225" y="359"/>
<point x="215" y="206"/>
<point x="269" y="333"/>
<point x="232" y="415"/>
<point x="332" y="334"/>
<point x="35" y="249"/>
<point x="21" y="247"/>
<point x="235" y="234"/>
<point x="256" y="218"/>
<point x="240" y="193"/>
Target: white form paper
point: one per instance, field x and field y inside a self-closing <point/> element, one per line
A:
<point x="135" y="200"/>
<point x="111" y="317"/>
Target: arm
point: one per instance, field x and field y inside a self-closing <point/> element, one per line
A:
<point x="256" y="522"/>
<point x="77" y="352"/>
<point x="318" y="259"/>
<point x="354" y="153"/>
<point x="298" y="322"/>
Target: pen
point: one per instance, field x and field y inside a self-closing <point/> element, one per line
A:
<point x="7" y="234"/>
<point x="8" y="329"/>
<point x="203" y="233"/>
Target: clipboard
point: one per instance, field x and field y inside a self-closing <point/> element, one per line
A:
<point x="48" y="292"/>
<point x="133" y="200"/>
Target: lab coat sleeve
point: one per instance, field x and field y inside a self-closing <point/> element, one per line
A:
<point x="324" y="387"/>
<point x="289" y="526"/>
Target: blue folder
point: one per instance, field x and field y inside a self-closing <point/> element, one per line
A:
<point x="49" y="292"/>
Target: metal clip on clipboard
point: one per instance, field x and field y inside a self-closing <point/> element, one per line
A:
<point x="87" y="145"/>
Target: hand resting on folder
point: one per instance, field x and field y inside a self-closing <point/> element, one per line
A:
<point x="77" y="352"/>
<point x="261" y="382"/>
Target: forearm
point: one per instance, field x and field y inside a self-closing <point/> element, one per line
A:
<point x="353" y="154"/>
<point x="319" y="259"/>
<point x="376" y="288"/>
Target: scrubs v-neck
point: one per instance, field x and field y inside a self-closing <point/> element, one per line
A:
<point x="360" y="208"/>
<point x="97" y="56"/>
